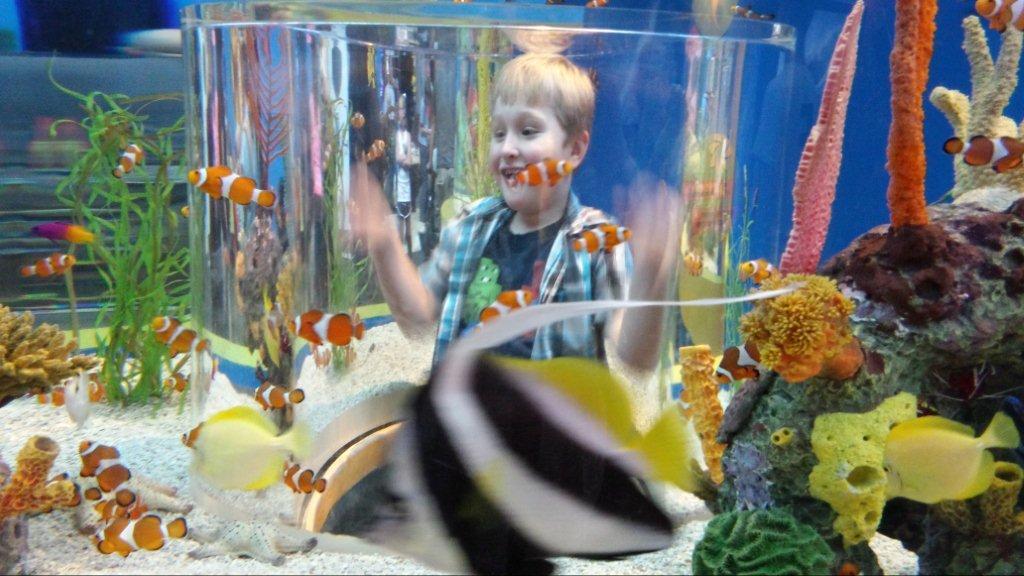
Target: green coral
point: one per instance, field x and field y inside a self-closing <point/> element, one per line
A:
<point x="760" y="542"/>
<point x="849" y="476"/>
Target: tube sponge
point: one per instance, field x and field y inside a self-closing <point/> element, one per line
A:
<point x="760" y="542"/>
<point x="991" y="514"/>
<point x="29" y="491"/>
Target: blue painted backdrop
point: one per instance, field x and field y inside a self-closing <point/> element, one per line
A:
<point x="860" y="202"/>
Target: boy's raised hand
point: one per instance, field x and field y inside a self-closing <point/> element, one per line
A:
<point x="654" y="219"/>
<point x="369" y="212"/>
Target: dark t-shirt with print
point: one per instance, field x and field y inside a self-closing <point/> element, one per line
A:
<point x="509" y="262"/>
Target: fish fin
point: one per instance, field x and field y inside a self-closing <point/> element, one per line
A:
<point x="147" y="532"/>
<point x="926" y="423"/>
<point x="668" y="450"/>
<point x="177" y="528"/>
<point x="1001" y="433"/>
<point x="247" y="414"/>
<point x="271" y="475"/>
<point x="982" y="480"/>
<point x="590" y="385"/>
<point x="298" y="440"/>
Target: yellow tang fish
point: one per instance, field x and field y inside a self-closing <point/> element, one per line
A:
<point x="931" y="459"/>
<point x="241" y="449"/>
<point x="713" y="16"/>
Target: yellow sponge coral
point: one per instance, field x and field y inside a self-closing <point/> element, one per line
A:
<point x="849" y="475"/>
<point x="799" y="332"/>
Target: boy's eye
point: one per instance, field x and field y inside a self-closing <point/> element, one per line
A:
<point x="499" y="134"/>
<point x="529" y="131"/>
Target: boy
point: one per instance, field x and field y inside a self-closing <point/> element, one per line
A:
<point x="543" y="108"/>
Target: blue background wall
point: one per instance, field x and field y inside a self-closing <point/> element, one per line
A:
<point x="860" y="202"/>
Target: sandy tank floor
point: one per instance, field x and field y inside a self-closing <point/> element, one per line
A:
<point x="149" y="441"/>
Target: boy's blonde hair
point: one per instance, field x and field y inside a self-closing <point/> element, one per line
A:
<point x="549" y="79"/>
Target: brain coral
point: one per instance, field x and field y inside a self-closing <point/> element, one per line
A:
<point x="849" y="475"/>
<point x="760" y="542"/>
<point x="798" y="332"/>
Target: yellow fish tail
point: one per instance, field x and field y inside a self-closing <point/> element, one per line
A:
<point x="298" y="440"/>
<point x="1001" y="433"/>
<point x="668" y="449"/>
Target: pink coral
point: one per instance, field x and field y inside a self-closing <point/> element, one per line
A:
<point x="818" y="172"/>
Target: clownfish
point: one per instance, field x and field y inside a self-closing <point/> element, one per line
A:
<point x="49" y="266"/>
<point x="219" y="181"/>
<point x="549" y="172"/>
<point x="180" y="339"/>
<point x="506" y="302"/>
<point x="125" y="536"/>
<point x="176" y="382"/>
<point x="186" y="211"/>
<point x="596" y="4"/>
<point x="124" y="504"/>
<point x="1001" y="13"/>
<point x="376" y="150"/>
<point x="600" y="237"/>
<point x="739" y="363"/>
<point x="1002" y="154"/>
<point x="103" y="462"/>
<point x="303" y="483"/>
<point x="756" y="270"/>
<point x="746" y="12"/>
<point x="97" y="392"/>
<point x="694" y="263"/>
<point x="190" y="437"/>
<point x="269" y="396"/>
<point x="318" y="327"/>
<point x="55" y="396"/>
<point x="131" y="156"/>
<point x="357" y="121"/>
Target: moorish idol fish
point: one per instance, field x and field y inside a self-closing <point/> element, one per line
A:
<point x="63" y="231"/>
<point x="739" y="363"/>
<point x="270" y="396"/>
<point x="131" y="156"/>
<point x="1002" y="154"/>
<point x="49" y="266"/>
<point x="506" y="302"/>
<point x="604" y="236"/>
<point x="493" y="464"/>
<point x="172" y="332"/>
<point x="549" y="172"/>
<point x="930" y="459"/>
<point x="756" y="270"/>
<point x="303" y="482"/>
<point x="125" y="536"/>
<point x="220" y="181"/>
<point x="318" y="327"/>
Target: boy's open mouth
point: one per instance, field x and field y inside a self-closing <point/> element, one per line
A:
<point x="509" y="174"/>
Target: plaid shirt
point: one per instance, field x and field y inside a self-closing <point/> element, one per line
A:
<point x="569" y="276"/>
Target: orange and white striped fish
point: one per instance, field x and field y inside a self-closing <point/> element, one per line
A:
<point x="97" y="392"/>
<point x="318" y="327"/>
<point x="1001" y="13"/>
<point x="756" y="270"/>
<point x="103" y="462"/>
<point x="172" y="332"/>
<point x="739" y="363"/>
<point x="190" y="437"/>
<point x="55" y="396"/>
<point x="376" y="150"/>
<point x="549" y="172"/>
<point x="604" y="236"/>
<point x="124" y="504"/>
<point x="49" y="266"/>
<point x="357" y="121"/>
<point x="175" y="382"/>
<point x="220" y="181"/>
<point x="596" y="4"/>
<point x="1002" y="154"/>
<point x="124" y="536"/>
<point x="131" y="156"/>
<point x="694" y="263"/>
<point x="270" y="396"/>
<point x="302" y="483"/>
<point x="505" y="303"/>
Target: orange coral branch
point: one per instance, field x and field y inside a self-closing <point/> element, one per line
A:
<point x="911" y="54"/>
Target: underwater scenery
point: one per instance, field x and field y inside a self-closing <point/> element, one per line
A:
<point x="531" y="286"/>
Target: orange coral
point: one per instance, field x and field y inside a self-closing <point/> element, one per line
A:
<point x="29" y="491"/>
<point x="700" y="393"/>
<point x="911" y="54"/>
<point x="799" y="333"/>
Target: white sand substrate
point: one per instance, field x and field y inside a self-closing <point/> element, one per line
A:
<point x="149" y="441"/>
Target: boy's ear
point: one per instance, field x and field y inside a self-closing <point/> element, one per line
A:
<point x="580" y="145"/>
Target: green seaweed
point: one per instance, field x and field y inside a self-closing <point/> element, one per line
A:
<point x="737" y="250"/>
<point x="136" y="251"/>
<point x="760" y="542"/>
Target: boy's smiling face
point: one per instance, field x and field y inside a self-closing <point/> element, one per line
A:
<point x="521" y="135"/>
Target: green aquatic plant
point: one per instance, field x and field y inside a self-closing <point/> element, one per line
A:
<point x="474" y="132"/>
<point x="137" y="251"/>
<point x="760" y="542"/>
<point x="737" y="250"/>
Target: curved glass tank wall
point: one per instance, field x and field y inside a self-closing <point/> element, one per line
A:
<point x="291" y="94"/>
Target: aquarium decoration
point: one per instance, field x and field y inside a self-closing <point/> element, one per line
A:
<point x="137" y="252"/>
<point x="264" y="541"/>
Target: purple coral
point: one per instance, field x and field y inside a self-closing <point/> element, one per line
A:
<point x="746" y="466"/>
<point x="818" y="171"/>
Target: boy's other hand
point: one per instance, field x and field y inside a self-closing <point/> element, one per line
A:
<point x="369" y="212"/>
<point x="653" y="217"/>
